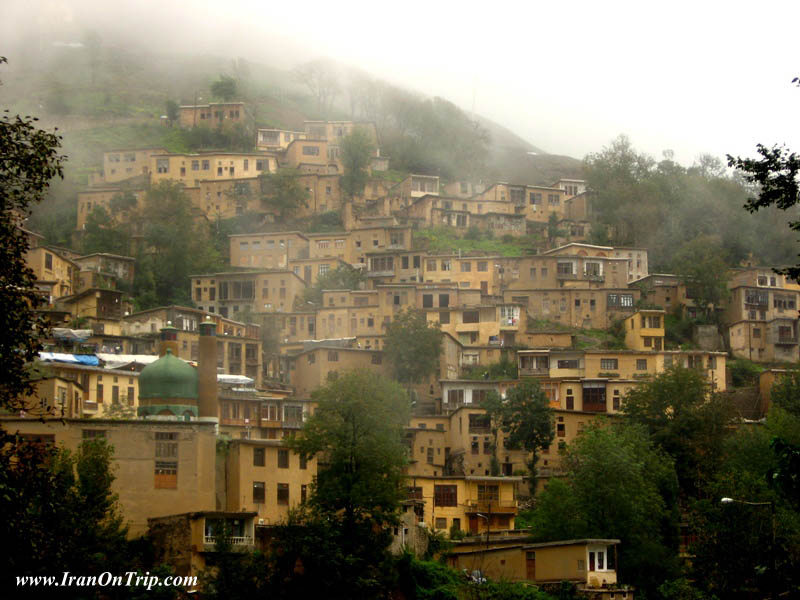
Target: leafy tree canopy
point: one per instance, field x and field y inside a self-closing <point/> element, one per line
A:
<point x="528" y="421"/>
<point x="413" y="346"/>
<point x="283" y="193"/>
<point x="701" y="264"/>
<point x="176" y="246"/>
<point x="29" y="159"/>
<point x="356" y="432"/>
<point x="224" y="87"/>
<point x="59" y="511"/>
<point x="341" y="278"/>
<point x="684" y="419"/>
<point x="618" y="485"/>
<point x="776" y="175"/>
<point x="356" y="151"/>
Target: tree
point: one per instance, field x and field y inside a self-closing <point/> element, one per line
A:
<point x="356" y="151"/>
<point x="528" y="422"/>
<point x="356" y="432"/>
<point x="619" y="486"/>
<point x="733" y="541"/>
<point x="777" y="175"/>
<point x="413" y="346"/>
<point x="172" y="110"/>
<point x="176" y="245"/>
<point x="224" y="87"/>
<point x="553" y="232"/>
<point x="343" y="277"/>
<point x="59" y="511"/>
<point x="685" y="420"/>
<point x="495" y="411"/>
<point x="29" y="159"/>
<point x="283" y="193"/>
<point x="701" y="265"/>
<point x="321" y="78"/>
<point x="101" y="234"/>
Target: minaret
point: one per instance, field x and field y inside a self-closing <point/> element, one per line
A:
<point x="169" y="339"/>
<point x="207" y="370"/>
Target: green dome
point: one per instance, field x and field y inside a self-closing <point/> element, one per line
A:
<point x="168" y="377"/>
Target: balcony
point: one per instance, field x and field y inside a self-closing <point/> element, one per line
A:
<point x="786" y="340"/>
<point x="569" y="276"/>
<point x="509" y="323"/>
<point x="492" y="506"/>
<point x="293" y="424"/>
<point x="246" y="540"/>
<point x="89" y="406"/>
<point x="595" y="278"/>
<point x="479" y="430"/>
<point x="598" y="407"/>
<point x="270" y="423"/>
<point x="534" y="371"/>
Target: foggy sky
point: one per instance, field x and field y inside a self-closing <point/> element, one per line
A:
<point x="567" y="76"/>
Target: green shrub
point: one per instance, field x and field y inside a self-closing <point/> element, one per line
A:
<point x="743" y="372"/>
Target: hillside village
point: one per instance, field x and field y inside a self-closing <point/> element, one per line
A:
<point x="239" y="366"/>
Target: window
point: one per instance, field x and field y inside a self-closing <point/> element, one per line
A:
<point x="483" y="266"/>
<point x="283" y="459"/>
<point x="565" y="268"/>
<point x="429" y="456"/>
<point x="446" y="265"/>
<point x="258" y="457"/>
<point x="166" y="445"/>
<point x="377" y="359"/>
<point x="756" y="332"/>
<point x="445" y="495"/>
<point x="535" y="198"/>
<point x="94" y="434"/>
<point x="427" y="300"/>
<point x="283" y="494"/>
<point x="488" y="493"/>
<point x="619" y="300"/>
<point x="594" y="396"/>
<point x="303" y="463"/>
<point x="414" y="493"/>
<point x="444" y="300"/>
<point x="641" y="364"/>
<point x="444" y="318"/>
<point x="455" y="397"/>
<point x="609" y="364"/>
<point x="162" y="165"/>
<point x="258" y="492"/>
<point x="466" y="267"/>
<point x="311" y="150"/>
<point x="572" y="363"/>
<point x="470" y="316"/>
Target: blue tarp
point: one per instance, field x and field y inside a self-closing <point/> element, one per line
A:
<point x="87" y="359"/>
<point x="82" y="359"/>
